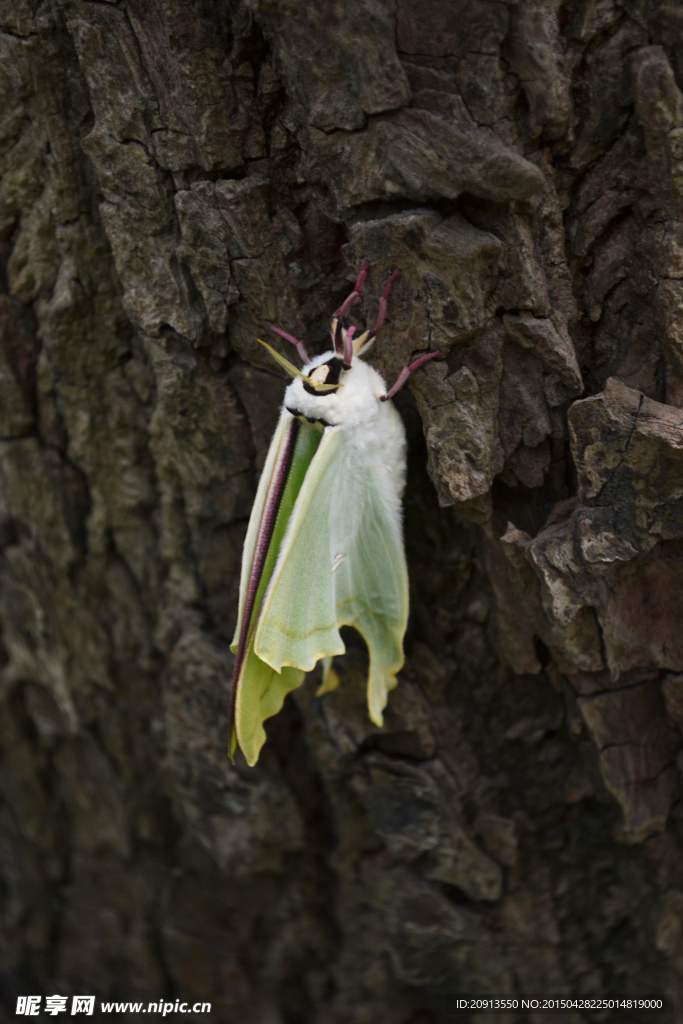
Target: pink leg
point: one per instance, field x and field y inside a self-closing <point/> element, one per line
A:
<point x="348" y="346"/>
<point x="383" y="301"/>
<point x="355" y="295"/>
<point x="346" y="350"/>
<point x="406" y="372"/>
<point x="289" y="337"/>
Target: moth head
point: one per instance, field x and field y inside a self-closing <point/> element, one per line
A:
<point x="321" y="380"/>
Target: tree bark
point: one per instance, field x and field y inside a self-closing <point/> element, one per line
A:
<point x="176" y="177"/>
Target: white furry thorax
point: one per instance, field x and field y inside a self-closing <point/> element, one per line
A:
<point x="374" y="427"/>
<point x="355" y="404"/>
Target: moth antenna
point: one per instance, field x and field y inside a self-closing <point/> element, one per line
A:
<point x="406" y="372"/>
<point x="295" y="341"/>
<point x="348" y="346"/>
<point x="363" y="342"/>
<point x="382" y="312"/>
<point x="292" y="370"/>
<point x="337" y="338"/>
<point x="355" y="295"/>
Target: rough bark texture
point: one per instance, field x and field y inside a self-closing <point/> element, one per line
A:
<point x="177" y="175"/>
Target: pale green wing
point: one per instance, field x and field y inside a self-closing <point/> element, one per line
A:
<point x="261" y="698"/>
<point x="371" y="584"/>
<point x="298" y="621"/>
<point x="341" y="563"/>
<point x="256" y="514"/>
<point x="258" y="690"/>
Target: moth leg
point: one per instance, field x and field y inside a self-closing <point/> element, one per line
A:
<point x="295" y="341"/>
<point x="406" y="372"/>
<point x="348" y="346"/>
<point x="382" y="312"/>
<point x="365" y="340"/>
<point x="338" y="314"/>
<point x="341" y="339"/>
<point x="355" y="295"/>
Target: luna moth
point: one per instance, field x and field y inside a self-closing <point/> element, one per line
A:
<point x="324" y="545"/>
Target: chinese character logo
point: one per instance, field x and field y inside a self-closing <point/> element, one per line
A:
<point x="55" y="1005"/>
<point x="83" y="1004"/>
<point x="28" y="1005"/>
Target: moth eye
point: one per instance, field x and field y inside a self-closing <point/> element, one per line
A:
<point x="320" y="374"/>
<point x="324" y="379"/>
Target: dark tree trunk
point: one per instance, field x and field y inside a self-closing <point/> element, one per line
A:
<point x="177" y="176"/>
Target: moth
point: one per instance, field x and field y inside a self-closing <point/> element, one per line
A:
<point x="324" y="545"/>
